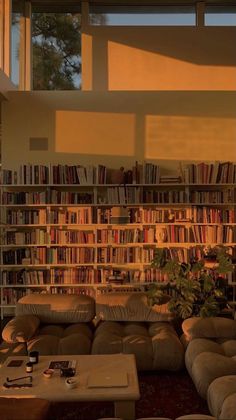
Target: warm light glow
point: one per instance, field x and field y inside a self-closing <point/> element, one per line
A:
<point x="132" y="68"/>
<point x="95" y="133"/>
<point x="86" y="50"/>
<point x="190" y="138"/>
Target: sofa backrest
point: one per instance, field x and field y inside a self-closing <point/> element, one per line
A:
<point x="57" y="308"/>
<point x="130" y="306"/>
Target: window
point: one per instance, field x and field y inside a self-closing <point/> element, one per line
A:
<point x="56" y="49"/>
<point x="15" y="47"/>
<point x="142" y="15"/>
<point x="16" y="16"/>
<point x="220" y="16"/>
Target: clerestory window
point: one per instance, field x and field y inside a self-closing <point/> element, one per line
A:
<point x="56" y="48"/>
<point x="220" y="15"/>
<point x="142" y="15"/>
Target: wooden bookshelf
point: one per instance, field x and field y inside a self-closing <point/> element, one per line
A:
<point x="67" y="228"/>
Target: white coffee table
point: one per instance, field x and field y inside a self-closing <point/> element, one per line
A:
<point x="54" y="389"/>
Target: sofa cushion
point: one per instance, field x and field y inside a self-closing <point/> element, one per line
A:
<point x="44" y="344"/>
<point x="228" y="410"/>
<point x="212" y="327"/>
<point x="62" y="339"/>
<point x="130" y="306"/>
<point x="154" y="346"/>
<point x="168" y="351"/>
<point x="198" y="346"/>
<point x="196" y="417"/>
<point x="208" y="366"/>
<point x="20" y="328"/>
<point x="74" y="344"/>
<point x="57" y="308"/>
<point x="218" y="392"/>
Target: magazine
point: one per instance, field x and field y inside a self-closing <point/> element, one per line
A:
<point x="62" y="364"/>
<point x="59" y="364"/>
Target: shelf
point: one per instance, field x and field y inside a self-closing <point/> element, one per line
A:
<point x="78" y="210"/>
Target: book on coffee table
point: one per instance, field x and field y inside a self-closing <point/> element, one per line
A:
<point x="62" y="364"/>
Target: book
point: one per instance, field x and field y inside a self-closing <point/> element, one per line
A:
<point x="60" y="364"/>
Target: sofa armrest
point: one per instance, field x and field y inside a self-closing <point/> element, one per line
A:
<point x="210" y="327"/>
<point x="20" y="328"/>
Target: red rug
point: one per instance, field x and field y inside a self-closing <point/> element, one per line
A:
<point x="163" y="394"/>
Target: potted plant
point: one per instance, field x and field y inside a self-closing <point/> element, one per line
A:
<point x="196" y="288"/>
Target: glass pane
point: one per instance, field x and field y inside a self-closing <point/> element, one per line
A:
<point x="142" y="16"/>
<point x="220" y="16"/>
<point x="15" y="47"/>
<point x="56" y="51"/>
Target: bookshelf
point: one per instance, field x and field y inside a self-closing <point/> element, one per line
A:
<point x="67" y="229"/>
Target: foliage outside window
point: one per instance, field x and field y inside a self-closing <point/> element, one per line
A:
<point x="56" y="50"/>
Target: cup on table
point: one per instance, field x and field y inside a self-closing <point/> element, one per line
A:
<point x="29" y="367"/>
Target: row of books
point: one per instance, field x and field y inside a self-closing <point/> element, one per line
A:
<point x="25" y="217"/>
<point x="124" y="255"/>
<point x="77" y="275"/>
<point x="88" y="215"/>
<point x="45" y="255"/>
<point x="46" y="197"/>
<point x="48" y="216"/>
<point x="226" y="196"/>
<point x="125" y="236"/>
<point x="140" y="173"/>
<point x="212" y="173"/>
<point x="121" y="196"/>
<point x="212" y="234"/>
<point x="60" y="236"/>
<point x="29" y="174"/>
<point x="10" y="296"/>
<point x="181" y="254"/>
<point x="225" y="234"/>
<point x="30" y="237"/>
<point x="25" y="277"/>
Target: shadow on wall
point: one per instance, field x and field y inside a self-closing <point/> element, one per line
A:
<point x="159" y="58"/>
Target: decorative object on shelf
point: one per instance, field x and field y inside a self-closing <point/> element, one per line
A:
<point x="120" y="215"/>
<point x="161" y="234"/>
<point x="118" y="176"/>
<point x="198" y="287"/>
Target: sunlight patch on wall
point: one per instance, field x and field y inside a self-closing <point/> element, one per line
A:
<point x="132" y="68"/>
<point x="95" y="133"/>
<point x="87" y="59"/>
<point x="190" y="138"/>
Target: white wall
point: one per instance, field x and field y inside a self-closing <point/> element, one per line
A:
<point x="117" y="128"/>
<point x="166" y="94"/>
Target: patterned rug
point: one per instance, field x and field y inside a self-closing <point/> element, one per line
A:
<point x="164" y="394"/>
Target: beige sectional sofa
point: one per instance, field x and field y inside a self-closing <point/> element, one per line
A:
<point x="124" y="322"/>
<point x="210" y="359"/>
<point x="76" y="324"/>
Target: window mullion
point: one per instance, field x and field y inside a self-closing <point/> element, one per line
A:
<point x="200" y="13"/>
<point x="25" y="49"/>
